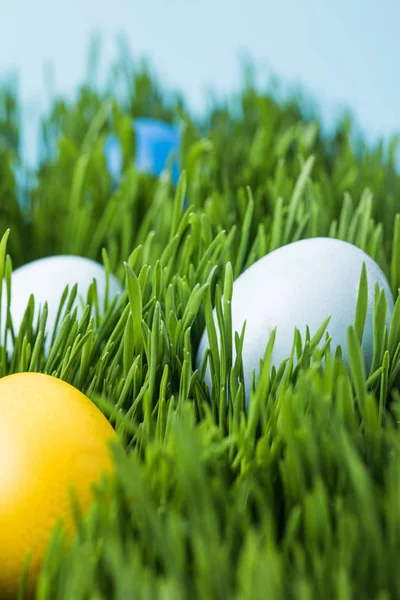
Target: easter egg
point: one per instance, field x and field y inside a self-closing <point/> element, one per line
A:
<point x="299" y="285"/>
<point x="53" y="439"/>
<point x="47" y="279"/>
<point x="157" y="142"/>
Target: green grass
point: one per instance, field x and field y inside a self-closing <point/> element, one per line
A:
<point x="298" y="498"/>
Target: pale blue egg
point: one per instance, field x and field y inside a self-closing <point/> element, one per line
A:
<point x="297" y="286"/>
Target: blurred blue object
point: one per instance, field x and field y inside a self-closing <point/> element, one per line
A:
<point x="157" y="143"/>
<point x="113" y="155"/>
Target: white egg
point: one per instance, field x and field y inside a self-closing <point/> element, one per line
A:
<point x="47" y="279"/>
<point x="300" y="285"/>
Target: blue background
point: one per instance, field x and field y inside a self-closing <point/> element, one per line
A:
<point x="345" y="53"/>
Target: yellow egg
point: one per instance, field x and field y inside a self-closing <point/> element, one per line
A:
<point x="52" y="437"/>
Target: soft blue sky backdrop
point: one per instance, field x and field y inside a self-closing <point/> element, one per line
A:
<point x="343" y="52"/>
